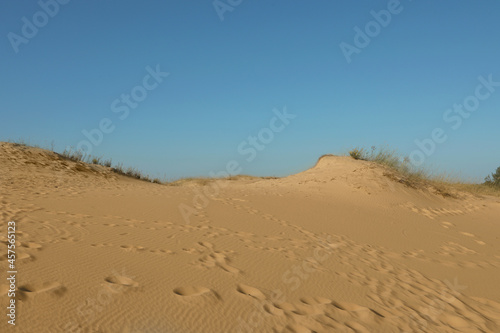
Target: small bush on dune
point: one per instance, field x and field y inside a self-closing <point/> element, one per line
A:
<point x="493" y="179"/>
<point x="20" y="143"/>
<point x="118" y="168"/>
<point x="384" y="156"/>
<point x="133" y="172"/>
<point x="74" y="155"/>
<point x="96" y="160"/>
<point x="358" y="153"/>
<point x="107" y="163"/>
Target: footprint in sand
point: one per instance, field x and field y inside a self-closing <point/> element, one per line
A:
<point x="285" y="306"/>
<point x="451" y="248"/>
<point x="273" y="309"/>
<point x="473" y="236"/>
<point x="38" y="288"/>
<point x="250" y="291"/>
<point x="207" y="245"/>
<point x="447" y="225"/>
<point x="31" y="245"/>
<point x="19" y="256"/>
<point x="191" y="291"/>
<point x="315" y="300"/>
<point x="122" y="281"/>
<point x="229" y="269"/>
<point x="362" y="313"/>
<point x="24" y="255"/>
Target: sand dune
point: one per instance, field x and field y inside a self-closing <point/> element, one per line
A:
<point x="340" y="247"/>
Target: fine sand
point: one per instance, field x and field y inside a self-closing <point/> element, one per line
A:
<point x="340" y="247"/>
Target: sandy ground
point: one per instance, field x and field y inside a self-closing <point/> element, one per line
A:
<point x="337" y="248"/>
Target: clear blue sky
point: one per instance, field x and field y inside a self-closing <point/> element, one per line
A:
<point x="226" y="77"/>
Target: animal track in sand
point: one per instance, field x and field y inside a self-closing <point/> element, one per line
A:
<point x="101" y="245"/>
<point x="121" y="280"/>
<point x="212" y="258"/>
<point x="217" y="259"/>
<point x="435" y="212"/>
<point x="161" y="251"/>
<point x="192" y="250"/>
<point x="191" y="291"/>
<point x="132" y="248"/>
<point x="60" y="231"/>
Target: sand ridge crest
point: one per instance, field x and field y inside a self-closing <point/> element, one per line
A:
<point x="333" y="249"/>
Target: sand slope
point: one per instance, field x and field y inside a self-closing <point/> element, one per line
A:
<point x="337" y="248"/>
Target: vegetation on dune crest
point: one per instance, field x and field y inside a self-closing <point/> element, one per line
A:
<point x="399" y="169"/>
<point x="408" y="174"/>
<point x="358" y="153"/>
<point x="80" y="157"/>
<point x="417" y="177"/>
<point x="388" y="157"/>
<point x="493" y="179"/>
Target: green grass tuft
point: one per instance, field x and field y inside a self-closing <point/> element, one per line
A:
<point x="358" y="153"/>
